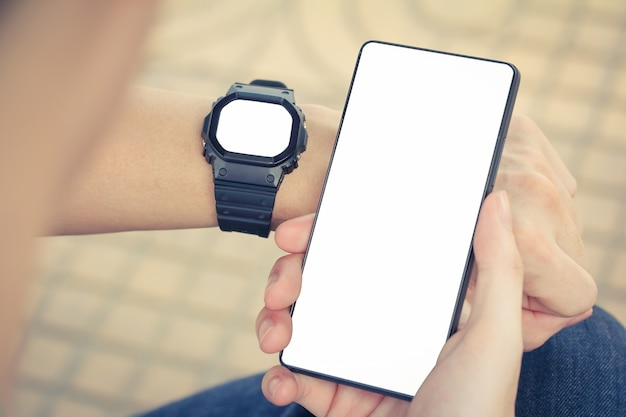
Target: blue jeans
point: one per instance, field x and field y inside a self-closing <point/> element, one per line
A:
<point x="581" y="371"/>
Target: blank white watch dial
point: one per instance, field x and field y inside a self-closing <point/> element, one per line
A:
<point x="254" y="128"/>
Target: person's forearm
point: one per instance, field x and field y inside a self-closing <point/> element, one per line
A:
<point x="149" y="173"/>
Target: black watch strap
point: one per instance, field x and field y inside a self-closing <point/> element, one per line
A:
<point x="268" y="83"/>
<point x="244" y="208"/>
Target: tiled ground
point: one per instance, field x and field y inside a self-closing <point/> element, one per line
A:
<point x="127" y="321"/>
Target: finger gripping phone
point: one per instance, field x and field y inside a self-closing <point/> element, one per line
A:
<point x="390" y="254"/>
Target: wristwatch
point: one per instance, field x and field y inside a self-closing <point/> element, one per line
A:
<point x="253" y="136"/>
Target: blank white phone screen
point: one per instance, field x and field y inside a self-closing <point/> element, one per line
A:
<point x="417" y="149"/>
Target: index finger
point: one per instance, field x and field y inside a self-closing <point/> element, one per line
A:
<point x="293" y="235"/>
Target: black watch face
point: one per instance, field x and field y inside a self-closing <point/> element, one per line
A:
<point x="254" y="128"/>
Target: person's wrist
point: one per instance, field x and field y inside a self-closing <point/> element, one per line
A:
<point x="300" y="191"/>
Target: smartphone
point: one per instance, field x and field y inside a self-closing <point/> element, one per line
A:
<point x="389" y="258"/>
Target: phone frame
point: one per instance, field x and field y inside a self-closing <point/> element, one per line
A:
<point x="489" y="184"/>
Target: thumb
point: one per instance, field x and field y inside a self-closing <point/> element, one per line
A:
<point x="479" y="366"/>
<point x="498" y="293"/>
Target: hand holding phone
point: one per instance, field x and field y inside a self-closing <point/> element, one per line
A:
<point x="478" y="369"/>
<point x="418" y="148"/>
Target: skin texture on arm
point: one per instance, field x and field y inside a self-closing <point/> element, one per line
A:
<point x="148" y="172"/>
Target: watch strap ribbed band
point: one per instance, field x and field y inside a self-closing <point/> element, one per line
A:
<point x="244" y="208"/>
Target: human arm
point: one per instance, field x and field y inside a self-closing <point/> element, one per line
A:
<point x="69" y="127"/>
<point x="148" y="171"/>
<point x="470" y="378"/>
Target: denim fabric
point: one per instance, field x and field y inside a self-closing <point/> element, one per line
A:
<point x="581" y="371"/>
<point x="240" y="398"/>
